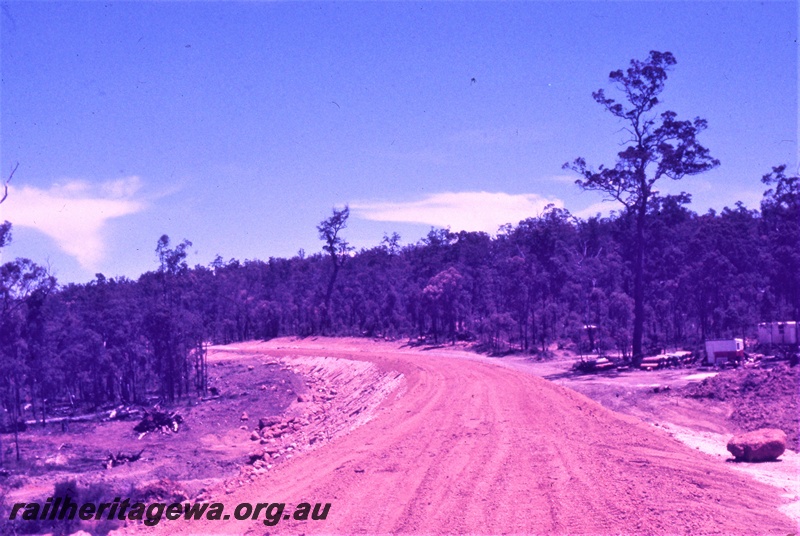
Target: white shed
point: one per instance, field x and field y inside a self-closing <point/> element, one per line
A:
<point x="778" y="333"/>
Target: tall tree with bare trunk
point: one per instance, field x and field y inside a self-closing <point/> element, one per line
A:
<point x="657" y="146"/>
<point x="337" y="248"/>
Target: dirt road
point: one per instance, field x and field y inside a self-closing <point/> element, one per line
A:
<point x="470" y="447"/>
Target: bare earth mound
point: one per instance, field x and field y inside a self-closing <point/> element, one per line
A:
<point x="468" y="447"/>
<point x="761" y="398"/>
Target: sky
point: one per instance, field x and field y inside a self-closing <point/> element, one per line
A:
<point x="240" y="126"/>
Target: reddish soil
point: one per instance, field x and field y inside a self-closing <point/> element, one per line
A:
<point x="469" y="447"/>
<point x="761" y="398"/>
<point x="403" y="440"/>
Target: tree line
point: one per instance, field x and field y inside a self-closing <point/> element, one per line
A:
<point x="532" y="285"/>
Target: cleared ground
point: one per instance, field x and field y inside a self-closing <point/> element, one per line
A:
<point x="428" y="441"/>
<point x="465" y="446"/>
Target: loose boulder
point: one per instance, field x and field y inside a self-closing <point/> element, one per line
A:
<point x="254" y="455"/>
<point x="758" y="446"/>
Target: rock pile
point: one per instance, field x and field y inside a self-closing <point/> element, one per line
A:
<point x="340" y="395"/>
<point x="760" y="398"/>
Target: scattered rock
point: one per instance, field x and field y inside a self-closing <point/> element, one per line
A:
<point x="255" y="455"/>
<point x="758" y="446"/>
<point x="254" y="436"/>
<point x="59" y="460"/>
<point x="244" y="416"/>
<point x="266" y="422"/>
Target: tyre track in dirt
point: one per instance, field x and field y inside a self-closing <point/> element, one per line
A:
<point x="469" y="447"/>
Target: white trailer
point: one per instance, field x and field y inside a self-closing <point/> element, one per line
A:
<point x="723" y="351"/>
<point x="778" y="333"/>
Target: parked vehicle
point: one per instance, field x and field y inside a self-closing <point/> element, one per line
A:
<point x="722" y="352"/>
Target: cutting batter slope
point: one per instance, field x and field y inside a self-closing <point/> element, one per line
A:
<point x="470" y="447"/>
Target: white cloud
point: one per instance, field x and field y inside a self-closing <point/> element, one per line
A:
<point x="468" y="211"/>
<point x="74" y="214"/>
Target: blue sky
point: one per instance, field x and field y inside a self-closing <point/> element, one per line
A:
<point x="239" y="126"/>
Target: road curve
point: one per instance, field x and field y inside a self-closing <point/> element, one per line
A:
<point x="471" y="447"/>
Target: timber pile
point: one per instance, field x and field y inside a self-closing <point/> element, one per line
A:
<point x="674" y="359"/>
<point x="594" y="364"/>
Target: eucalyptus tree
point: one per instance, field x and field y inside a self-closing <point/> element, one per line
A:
<point x="337" y="249"/>
<point x="657" y="146"/>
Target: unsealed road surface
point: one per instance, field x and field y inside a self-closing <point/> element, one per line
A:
<point x="471" y="447"/>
